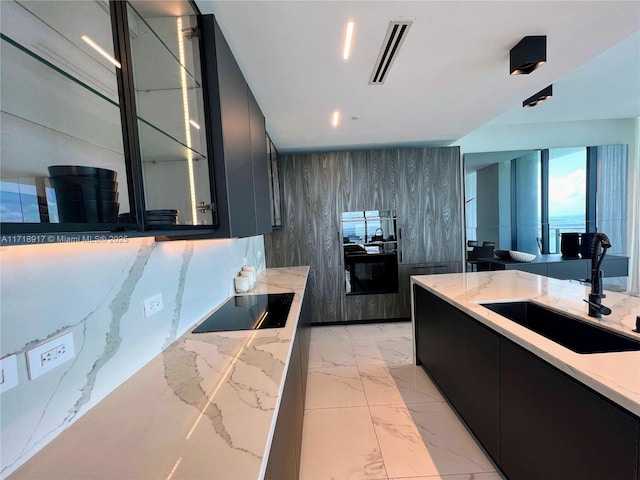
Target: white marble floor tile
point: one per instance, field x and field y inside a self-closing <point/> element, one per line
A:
<point x="382" y="351"/>
<point x="331" y="354"/>
<point x="379" y="330"/>
<point x="334" y="387"/>
<point x="340" y="443"/>
<point x="465" y="476"/>
<point x="423" y="439"/>
<point x="399" y="384"/>
<point x="329" y="334"/>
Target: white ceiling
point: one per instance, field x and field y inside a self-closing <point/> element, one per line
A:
<point x="451" y="75"/>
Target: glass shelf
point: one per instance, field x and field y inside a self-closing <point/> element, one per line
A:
<point x="159" y="146"/>
<point x="70" y="107"/>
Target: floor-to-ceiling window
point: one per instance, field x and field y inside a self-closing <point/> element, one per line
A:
<point x="567" y="193"/>
<point x="527" y="200"/>
<point x="548" y="192"/>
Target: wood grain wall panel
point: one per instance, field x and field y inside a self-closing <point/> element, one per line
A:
<point x="406" y="270"/>
<point x="411" y="214"/>
<point x="429" y="210"/>
<point x="353" y="186"/>
<point x="311" y="232"/>
<point x="372" y="307"/>
<point x="422" y="184"/>
<point x="381" y="174"/>
<point x="448" y="219"/>
<point x="326" y="252"/>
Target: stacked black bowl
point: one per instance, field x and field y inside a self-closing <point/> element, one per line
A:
<point x="153" y="218"/>
<point x="85" y="194"/>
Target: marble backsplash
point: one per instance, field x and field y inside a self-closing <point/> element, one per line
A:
<point x="96" y="291"/>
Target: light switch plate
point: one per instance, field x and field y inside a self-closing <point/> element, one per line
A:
<point x="153" y="305"/>
<point x="48" y="355"/>
<point x="9" y="373"/>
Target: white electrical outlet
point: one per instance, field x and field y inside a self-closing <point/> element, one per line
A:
<point x="49" y="355"/>
<point x="8" y="373"/>
<point x="153" y="305"/>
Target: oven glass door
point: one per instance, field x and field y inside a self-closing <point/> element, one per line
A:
<point x="371" y="273"/>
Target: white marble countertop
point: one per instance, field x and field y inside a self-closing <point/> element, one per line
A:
<point x="204" y="408"/>
<point x="615" y="375"/>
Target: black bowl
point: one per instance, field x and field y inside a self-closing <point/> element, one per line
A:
<point x="84" y="182"/>
<point x="82" y="171"/>
<point x="502" y="254"/>
<point x="80" y="194"/>
<point x="160" y="217"/>
<point x="158" y="223"/>
<point x="161" y="212"/>
<point x="88" y="212"/>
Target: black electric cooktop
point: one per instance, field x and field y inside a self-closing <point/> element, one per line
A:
<point x="249" y="312"/>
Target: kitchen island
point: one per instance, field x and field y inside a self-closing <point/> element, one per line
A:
<point x="206" y="407"/>
<point x="539" y="409"/>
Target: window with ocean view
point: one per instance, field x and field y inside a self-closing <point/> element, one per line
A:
<point x="567" y="193"/>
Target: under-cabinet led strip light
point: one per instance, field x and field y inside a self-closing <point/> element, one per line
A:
<point x="100" y="50"/>
<point x="187" y="122"/>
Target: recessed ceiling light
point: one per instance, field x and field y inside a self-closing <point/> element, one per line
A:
<point x="347" y="41"/>
<point x="335" y="118"/>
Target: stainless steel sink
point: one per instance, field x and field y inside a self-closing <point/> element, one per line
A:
<point x="570" y="332"/>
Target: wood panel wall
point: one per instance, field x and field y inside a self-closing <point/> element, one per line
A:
<point x="422" y="184"/>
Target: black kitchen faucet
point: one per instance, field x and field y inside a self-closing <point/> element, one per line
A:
<point x="599" y="245"/>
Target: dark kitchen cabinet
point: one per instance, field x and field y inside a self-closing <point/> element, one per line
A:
<point x="260" y="162"/>
<point x="237" y="140"/>
<point x="60" y="106"/>
<point x="171" y="114"/>
<point x="553" y="427"/>
<point x="462" y="356"/>
<point x="169" y="105"/>
<point x="284" y="455"/>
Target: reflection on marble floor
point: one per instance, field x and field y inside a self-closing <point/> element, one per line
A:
<point x="371" y="414"/>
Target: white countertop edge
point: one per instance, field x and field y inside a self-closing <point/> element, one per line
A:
<point x="558" y="356"/>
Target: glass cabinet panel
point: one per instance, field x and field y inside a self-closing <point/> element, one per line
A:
<point x="59" y="107"/>
<point x="170" y="107"/>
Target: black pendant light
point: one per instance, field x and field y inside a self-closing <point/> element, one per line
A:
<point x="529" y="54"/>
<point x="539" y="97"/>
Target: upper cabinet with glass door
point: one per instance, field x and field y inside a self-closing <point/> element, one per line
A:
<point x="60" y="107"/>
<point x="167" y="79"/>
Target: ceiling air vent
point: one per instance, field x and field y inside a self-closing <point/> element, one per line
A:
<point x="389" y="50"/>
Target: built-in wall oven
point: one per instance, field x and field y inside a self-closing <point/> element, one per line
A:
<point x="370" y="252"/>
